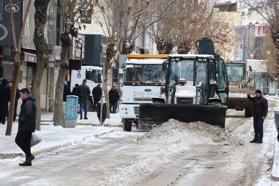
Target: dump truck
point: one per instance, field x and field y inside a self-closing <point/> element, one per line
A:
<point x="143" y="82"/>
<point x="238" y="89"/>
<point x="196" y="89"/>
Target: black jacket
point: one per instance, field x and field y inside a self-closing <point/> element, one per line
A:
<point x="97" y="93"/>
<point x="4" y="100"/>
<point x="84" y="92"/>
<point x="113" y="96"/>
<point x="260" y="106"/>
<point x="75" y="91"/>
<point x="27" y="116"/>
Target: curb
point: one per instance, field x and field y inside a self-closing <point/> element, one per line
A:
<point x="50" y="149"/>
<point x="275" y="163"/>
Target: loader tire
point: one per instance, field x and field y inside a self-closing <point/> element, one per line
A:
<point x="127" y="125"/>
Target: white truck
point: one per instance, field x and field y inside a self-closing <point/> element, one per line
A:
<point x="92" y="74"/>
<point x="143" y="82"/>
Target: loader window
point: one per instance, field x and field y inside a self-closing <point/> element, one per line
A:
<point x="145" y="75"/>
<point x="201" y="72"/>
<point x="183" y="70"/>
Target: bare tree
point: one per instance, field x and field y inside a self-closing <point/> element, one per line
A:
<point x="40" y="18"/>
<point x="184" y="23"/>
<point x="17" y="44"/>
<point x="163" y="31"/>
<point x="119" y="20"/>
<point x="123" y="21"/>
<point x="72" y="11"/>
<point x="269" y="10"/>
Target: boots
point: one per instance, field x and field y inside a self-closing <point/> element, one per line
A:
<point x="28" y="161"/>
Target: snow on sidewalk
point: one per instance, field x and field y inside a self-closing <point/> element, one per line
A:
<point x="114" y="120"/>
<point x="53" y="138"/>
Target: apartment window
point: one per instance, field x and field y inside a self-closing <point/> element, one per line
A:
<point x="1" y="10"/>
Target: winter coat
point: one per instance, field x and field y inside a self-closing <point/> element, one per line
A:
<point x="27" y="116"/>
<point x="97" y="93"/>
<point x="4" y="100"/>
<point x="260" y="106"/>
<point x="113" y="96"/>
<point x="84" y="93"/>
<point x="75" y="91"/>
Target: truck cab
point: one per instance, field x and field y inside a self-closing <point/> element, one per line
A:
<point x="143" y="82"/>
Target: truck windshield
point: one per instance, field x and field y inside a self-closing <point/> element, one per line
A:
<point x="183" y="70"/>
<point x="144" y="74"/>
<point x="236" y="72"/>
<point x="94" y="75"/>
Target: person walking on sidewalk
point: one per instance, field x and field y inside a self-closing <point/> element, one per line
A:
<point x="97" y="94"/>
<point x="260" y="113"/>
<point x="4" y="100"/>
<point x="26" y="125"/>
<point x="84" y="94"/>
<point x="113" y="99"/>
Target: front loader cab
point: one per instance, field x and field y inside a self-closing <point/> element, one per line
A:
<point x="190" y="79"/>
<point x="222" y="80"/>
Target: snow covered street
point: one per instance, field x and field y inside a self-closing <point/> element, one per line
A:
<point x="172" y="154"/>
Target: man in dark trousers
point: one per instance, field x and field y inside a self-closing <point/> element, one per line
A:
<point x="26" y="125"/>
<point x="260" y="113"/>
<point x="97" y="94"/>
<point x="113" y="99"/>
<point x="4" y="100"/>
<point x="84" y="94"/>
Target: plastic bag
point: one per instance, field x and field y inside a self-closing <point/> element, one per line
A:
<point x="35" y="139"/>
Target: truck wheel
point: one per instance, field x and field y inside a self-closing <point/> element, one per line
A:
<point x="248" y="112"/>
<point x="127" y="125"/>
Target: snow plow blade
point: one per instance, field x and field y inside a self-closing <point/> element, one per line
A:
<point x="154" y="114"/>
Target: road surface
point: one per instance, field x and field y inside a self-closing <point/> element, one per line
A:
<point x="155" y="158"/>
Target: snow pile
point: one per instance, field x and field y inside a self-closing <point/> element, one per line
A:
<point x="175" y="132"/>
<point x="159" y="145"/>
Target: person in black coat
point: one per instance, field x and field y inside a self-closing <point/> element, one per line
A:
<point x="4" y="100"/>
<point x="260" y="113"/>
<point x="75" y="90"/>
<point x="26" y="125"/>
<point x="84" y="95"/>
<point x="16" y="100"/>
<point x="97" y="94"/>
<point x="113" y="99"/>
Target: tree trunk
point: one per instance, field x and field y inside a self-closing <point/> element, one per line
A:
<point x="275" y="38"/>
<point x="106" y="67"/>
<point x="17" y="61"/>
<point x="58" y="115"/>
<point x="16" y="71"/>
<point x="42" y="53"/>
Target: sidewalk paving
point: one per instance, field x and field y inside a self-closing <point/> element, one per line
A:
<point x="114" y="121"/>
<point x="55" y="137"/>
